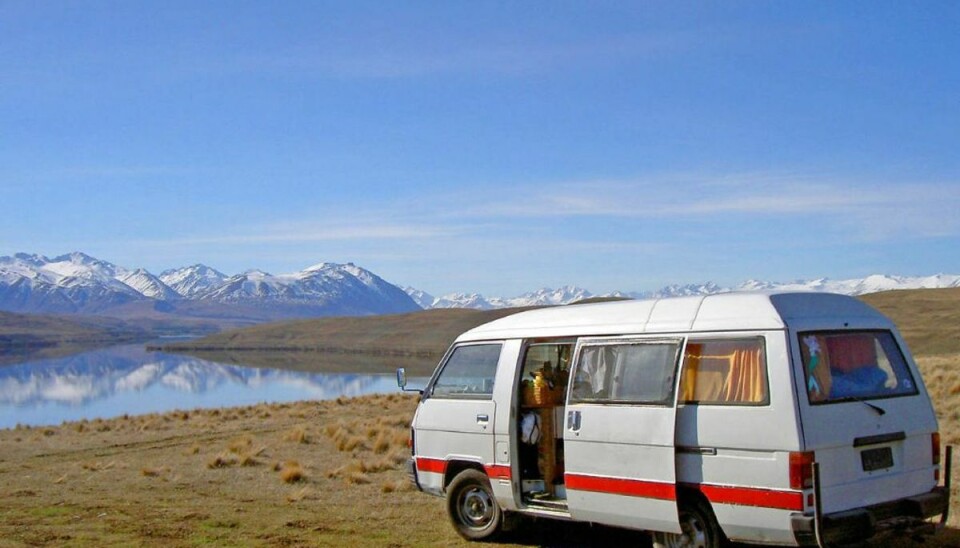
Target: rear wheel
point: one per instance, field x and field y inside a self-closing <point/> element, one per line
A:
<point x="472" y="508"/>
<point x="700" y="528"/>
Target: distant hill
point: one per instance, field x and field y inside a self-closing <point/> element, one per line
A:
<point x="929" y="319"/>
<point x="49" y="336"/>
<point x="425" y="334"/>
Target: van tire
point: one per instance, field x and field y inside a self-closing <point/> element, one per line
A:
<point x="700" y="528"/>
<point x="472" y="508"/>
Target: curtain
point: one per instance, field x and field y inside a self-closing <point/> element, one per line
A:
<point x="724" y="372"/>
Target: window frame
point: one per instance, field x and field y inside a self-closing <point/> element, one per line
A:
<point x="708" y="339"/>
<point x="429" y="391"/>
<point x="670" y="401"/>
<point x="826" y="332"/>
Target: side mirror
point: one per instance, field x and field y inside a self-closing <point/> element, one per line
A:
<point x="402" y="382"/>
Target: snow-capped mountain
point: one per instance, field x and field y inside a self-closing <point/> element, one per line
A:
<point x="193" y="281"/>
<point x="78" y="283"/>
<point x="569" y="294"/>
<point x="422" y="298"/>
<point x="541" y="297"/>
<point x="462" y="300"/>
<point x="337" y="288"/>
<point x="149" y="285"/>
<point x="66" y="284"/>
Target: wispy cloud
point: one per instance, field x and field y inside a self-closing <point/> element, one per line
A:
<point x="874" y="208"/>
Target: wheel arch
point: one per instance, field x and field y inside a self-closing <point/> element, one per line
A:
<point x="454" y="467"/>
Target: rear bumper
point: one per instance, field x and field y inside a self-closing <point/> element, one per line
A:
<point x="904" y="516"/>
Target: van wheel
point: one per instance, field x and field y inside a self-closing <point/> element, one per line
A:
<point x="473" y="509"/>
<point x="700" y="529"/>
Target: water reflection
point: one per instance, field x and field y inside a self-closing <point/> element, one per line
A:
<point x="127" y="379"/>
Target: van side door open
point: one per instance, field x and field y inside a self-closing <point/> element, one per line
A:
<point x="619" y="432"/>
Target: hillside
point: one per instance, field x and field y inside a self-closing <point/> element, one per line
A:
<point x="50" y="336"/>
<point x="928" y="318"/>
<point x="423" y="336"/>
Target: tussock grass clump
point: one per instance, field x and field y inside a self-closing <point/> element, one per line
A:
<point x="240" y="445"/>
<point x="292" y="472"/>
<point x="357" y="478"/>
<point x="298" y="435"/>
<point x="397" y="486"/>
<point x="223" y="460"/>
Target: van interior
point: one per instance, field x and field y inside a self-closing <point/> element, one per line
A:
<point x="540" y="412"/>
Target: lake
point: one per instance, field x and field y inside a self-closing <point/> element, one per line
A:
<point x="127" y="379"/>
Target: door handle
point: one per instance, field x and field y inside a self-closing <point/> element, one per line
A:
<point x="573" y="421"/>
<point x="483" y="419"/>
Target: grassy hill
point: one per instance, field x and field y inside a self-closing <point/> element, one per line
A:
<point x="928" y="318"/>
<point x="416" y="340"/>
<point x="50" y="336"/>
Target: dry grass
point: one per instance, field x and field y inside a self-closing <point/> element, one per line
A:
<point x="941" y="374"/>
<point x="292" y="472"/>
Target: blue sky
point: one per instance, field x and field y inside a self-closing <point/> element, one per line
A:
<point x="486" y="146"/>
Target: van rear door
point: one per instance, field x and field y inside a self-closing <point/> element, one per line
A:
<point x="619" y="433"/>
<point x="866" y="416"/>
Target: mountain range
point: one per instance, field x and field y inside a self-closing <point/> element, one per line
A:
<point x="569" y="294"/>
<point x="77" y="283"/>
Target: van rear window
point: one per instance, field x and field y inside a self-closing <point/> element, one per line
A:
<point x="854" y="365"/>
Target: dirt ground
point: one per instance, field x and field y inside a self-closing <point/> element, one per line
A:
<point x="301" y="474"/>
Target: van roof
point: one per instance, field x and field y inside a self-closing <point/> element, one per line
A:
<point x="719" y="312"/>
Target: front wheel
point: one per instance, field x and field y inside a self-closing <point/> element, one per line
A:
<point x="473" y="509"/>
<point x="700" y="529"/>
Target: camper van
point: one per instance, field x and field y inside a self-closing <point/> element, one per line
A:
<point x="787" y="419"/>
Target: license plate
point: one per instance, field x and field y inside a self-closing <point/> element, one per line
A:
<point x="876" y="459"/>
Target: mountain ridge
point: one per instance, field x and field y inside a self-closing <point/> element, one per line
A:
<point x="569" y="294"/>
<point x="77" y="283"/>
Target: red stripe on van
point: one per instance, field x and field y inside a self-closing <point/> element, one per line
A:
<point x="622" y="486"/>
<point x="751" y="496"/>
<point x="498" y="471"/>
<point x="438" y="466"/>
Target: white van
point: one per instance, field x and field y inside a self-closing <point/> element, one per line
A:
<point x="776" y="418"/>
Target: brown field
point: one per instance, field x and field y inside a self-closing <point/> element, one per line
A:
<point x="302" y="474"/>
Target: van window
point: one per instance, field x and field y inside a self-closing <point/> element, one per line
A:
<point x="728" y="372"/>
<point x="626" y="372"/>
<point x="848" y="365"/>
<point x="469" y="372"/>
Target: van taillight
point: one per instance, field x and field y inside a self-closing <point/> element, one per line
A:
<point x="801" y="470"/>
<point x="935" y="447"/>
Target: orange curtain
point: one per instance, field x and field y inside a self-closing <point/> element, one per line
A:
<point x="736" y="376"/>
<point x="746" y="382"/>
